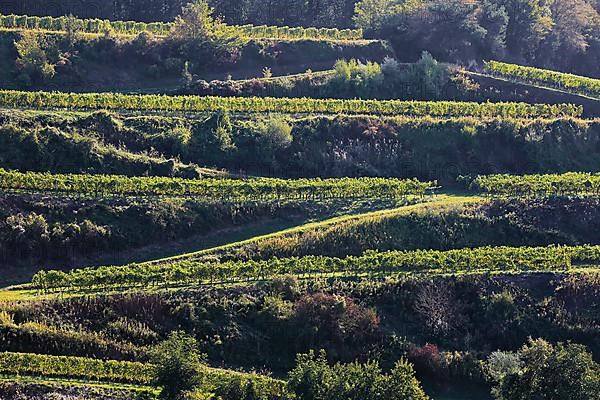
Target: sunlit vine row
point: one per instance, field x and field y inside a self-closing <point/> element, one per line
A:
<point x="568" y="184"/>
<point x="559" y="80"/>
<point x="69" y="367"/>
<point x="118" y="101"/>
<point x="163" y="28"/>
<point x="251" y="189"/>
<point x="189" y="272"/>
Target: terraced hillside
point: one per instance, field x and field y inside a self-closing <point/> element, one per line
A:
<point x="340" y="221"/>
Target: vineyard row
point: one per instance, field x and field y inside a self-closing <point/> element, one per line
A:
<point x="568" y="184"/>
<point x="118" y="101"/>
<point x="185" y="272"/>
<point x="559" y="80"/>
<point x="252" y="189"/>
<point x="163" y="28"/>
<point x="69" y="367"/>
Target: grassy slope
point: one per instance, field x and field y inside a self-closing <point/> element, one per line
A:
<point x="440" y="201"/>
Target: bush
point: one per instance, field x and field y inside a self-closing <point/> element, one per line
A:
<point x="540" y="370"/>
<point x="314" y="379"/>
<point x="178" y="366"/>
<point x="326" y="318"/>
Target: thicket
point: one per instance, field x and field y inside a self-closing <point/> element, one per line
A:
<point x="50" y="149"/>
<point x="314" y="379"/>
<point x="424" y="318"/>
<point x="36" y="229"/>
<point x="424" y="80"/>
<point x="537" y="369"/>
<point x="401" y="147"/>
<point x="57" y="61"/>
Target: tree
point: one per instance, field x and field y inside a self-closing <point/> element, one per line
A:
<point x="178" y="365"/>
<point x="540" y="370"/>
<point x="570" y="37"/>
<point x="210" y="140"/>
<point x="196" y="22"/>
<point x="371" y="15"/>
<point x="32" y="59"/>
<point x="274" y="136"/>
<point x="437" y="306"/>
<point x="426" y="78"/>
<point x="530" y="21"/>
<point x="494" y="19"/>
<point x="402" y="384"/>
<point x="449" y="29"/>
<point x="201" y="38"/>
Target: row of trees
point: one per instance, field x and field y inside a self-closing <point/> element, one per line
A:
<point x="568" y="184"/>
<point x="252" y="189"/>
<point x="563" y="35"/>
<point x="186" y="271"/>
<point x="560" y="80"/>
<point x="117" y="101"/>
<point x="247" y="31"/>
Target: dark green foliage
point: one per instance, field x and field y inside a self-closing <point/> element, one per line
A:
<point x="498" y="311"/>
<point x="560" y="35"/>
<point x="210" y="140"/>
<point x="314" y="379"/>
<point x="178" y="366"/>
<point x="329" y="13"/>
<point x="59" y="63"/>
<point x="50" y="149"/>
<point x="541" y="370"/>
<point x="321" y="146"/>
<point x="34" y="230"/>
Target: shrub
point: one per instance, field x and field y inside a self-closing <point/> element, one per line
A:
<point x="540" y="370"/>
<point x="314" y="379"/>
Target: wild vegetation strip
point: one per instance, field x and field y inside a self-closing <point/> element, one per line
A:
<point x="118" y="101"/>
